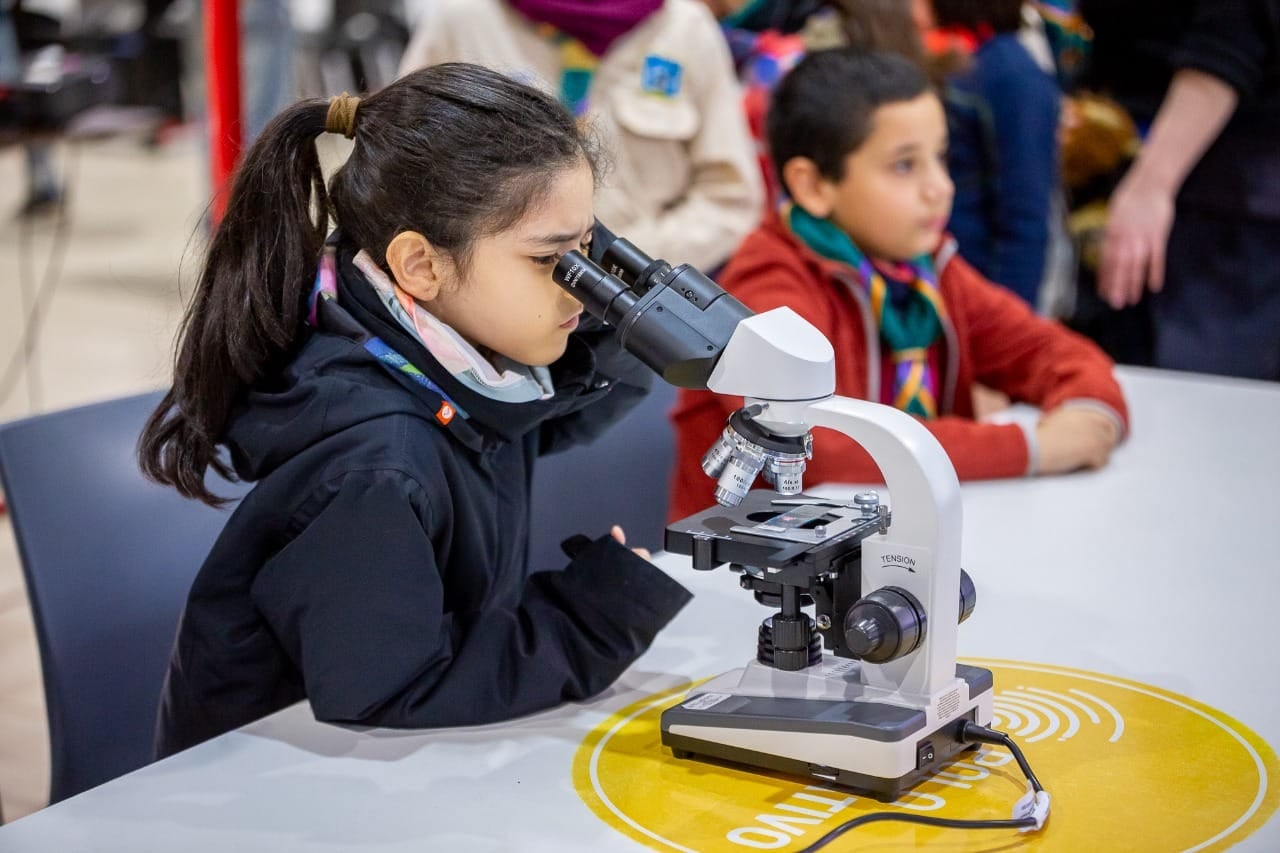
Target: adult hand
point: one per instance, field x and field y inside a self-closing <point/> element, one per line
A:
<point x="1193" y="112"/>
<point x="617" y="533"/>
<point x="1074" y="437"/>
<point x="1139" y="217"/>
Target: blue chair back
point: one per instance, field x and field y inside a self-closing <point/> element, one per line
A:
<point x="623" y="477"/>
<point x="108" y="559"/>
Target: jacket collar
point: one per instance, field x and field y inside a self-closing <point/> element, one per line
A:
<point x="829" y="270"/>
<point x="474" y="419"/>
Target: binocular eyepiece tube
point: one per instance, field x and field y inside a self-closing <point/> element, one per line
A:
<point x="678" y="322"/>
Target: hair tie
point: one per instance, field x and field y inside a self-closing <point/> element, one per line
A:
<point x="341" y="117"/>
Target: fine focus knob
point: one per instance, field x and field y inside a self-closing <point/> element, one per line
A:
<point x="864" y="638"/>
<point x="968" y="595"/>
<point x="884" y="625"/>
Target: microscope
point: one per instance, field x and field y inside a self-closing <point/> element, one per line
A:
<point x="883" y="709"/>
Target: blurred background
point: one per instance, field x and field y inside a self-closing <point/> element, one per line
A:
<point x="107" y="171"/>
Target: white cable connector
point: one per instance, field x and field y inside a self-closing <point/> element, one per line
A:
<point x="1034" y="805"/>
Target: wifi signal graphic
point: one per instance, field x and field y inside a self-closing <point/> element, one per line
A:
<point x="1036" y="714"/>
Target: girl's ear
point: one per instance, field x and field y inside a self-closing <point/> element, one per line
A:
<point x="807" y="187"/>
<point x="418" y="267"/>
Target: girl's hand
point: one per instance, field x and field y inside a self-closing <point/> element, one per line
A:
<point x="617" y="533"/>
<point x="1072" y="438"/>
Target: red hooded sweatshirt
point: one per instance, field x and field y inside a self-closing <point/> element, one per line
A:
<point x="989" y="337"/>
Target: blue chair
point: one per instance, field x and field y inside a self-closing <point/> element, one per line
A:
<point x="108" y="559"/>
<point x="623" y="477"/>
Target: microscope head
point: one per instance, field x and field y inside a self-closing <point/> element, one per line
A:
<point x="694" y="335"/>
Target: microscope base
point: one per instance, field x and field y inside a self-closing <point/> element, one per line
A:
<point x="874" y="747"/>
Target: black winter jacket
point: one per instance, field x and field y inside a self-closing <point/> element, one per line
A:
<point x="378" y="566"/>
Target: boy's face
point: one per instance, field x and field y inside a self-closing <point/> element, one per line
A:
<point x="895" y="197"/>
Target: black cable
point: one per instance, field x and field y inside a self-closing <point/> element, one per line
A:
<point x="35" y="301"/>
<point x="927" y="820"/>
<point x="969" y="732"/>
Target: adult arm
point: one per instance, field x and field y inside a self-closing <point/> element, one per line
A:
<point x="1140" y="213"/>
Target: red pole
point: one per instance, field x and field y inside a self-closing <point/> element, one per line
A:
<point x="222" y="79"/>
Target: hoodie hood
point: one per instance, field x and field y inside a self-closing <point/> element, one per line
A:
<point x="358" y="364"/>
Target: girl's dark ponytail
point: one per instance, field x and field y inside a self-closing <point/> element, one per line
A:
<point x="452" y="152"/>
<point x="247" y="309"/>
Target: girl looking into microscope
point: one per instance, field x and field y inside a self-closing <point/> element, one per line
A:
<point x="387" y="390"/>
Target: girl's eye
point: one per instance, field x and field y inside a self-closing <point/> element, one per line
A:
<point x="552" y="260"/>
<point x="904" y="167"/>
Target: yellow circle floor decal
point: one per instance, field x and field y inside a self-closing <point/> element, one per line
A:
<point x="1129" y="767"/>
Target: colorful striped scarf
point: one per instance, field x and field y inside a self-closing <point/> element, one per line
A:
<point x="577" y="69"/>
<point x="909" y="322"/>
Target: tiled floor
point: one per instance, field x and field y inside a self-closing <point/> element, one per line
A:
<point x="108" y="330"/>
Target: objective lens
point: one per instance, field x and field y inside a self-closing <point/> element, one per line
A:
<point x="739" y="473"/>
<point x="714" y="460"/>
<point x="788" y="475"/>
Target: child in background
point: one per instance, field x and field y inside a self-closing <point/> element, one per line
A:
<point x="1002" y="114"/>
<point x="860" y="142"/>
<point x="768" y="37"/>
<point x="390" y="417"/>
<point x="655" y="79"/>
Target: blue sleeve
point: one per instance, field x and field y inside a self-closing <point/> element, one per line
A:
<point x="359" y="602"/>
<point x="1024" y="109"/>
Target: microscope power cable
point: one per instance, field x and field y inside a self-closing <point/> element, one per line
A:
<point x="1030" y="812"/>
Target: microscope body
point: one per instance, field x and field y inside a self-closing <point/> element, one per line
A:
<point x="881" y="710"/>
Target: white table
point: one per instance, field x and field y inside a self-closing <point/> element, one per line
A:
<point x="1161" y="569"/>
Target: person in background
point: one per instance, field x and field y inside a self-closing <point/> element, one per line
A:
<point x="43" y="192"/>
<point x="269" y="45"/>
<point x="655" y="78"/>
<point x="390" y="415"/>
<point x="766" y="40"/>
<point x="860" y="140"/>
<point x="1196" y="219"/>
<point x="768" y="37"/>
<point x="1002" y="116"/>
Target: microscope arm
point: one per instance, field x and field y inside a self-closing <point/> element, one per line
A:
<point x="921" y="550"/>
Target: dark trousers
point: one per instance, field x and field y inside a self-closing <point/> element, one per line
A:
<point x="1219" y="311"/>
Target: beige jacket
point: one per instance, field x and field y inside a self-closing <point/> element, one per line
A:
<point x="684" y="183"/>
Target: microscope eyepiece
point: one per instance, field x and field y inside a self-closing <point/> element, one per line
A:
<point x="602" y="295"/>
<point x="633" y="266"/>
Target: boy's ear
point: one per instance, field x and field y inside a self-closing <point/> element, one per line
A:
<point x="417" y="266"/>
<point x="807" y="187"/>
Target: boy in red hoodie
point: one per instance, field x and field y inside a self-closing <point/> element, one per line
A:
<point x="860" y="144"/>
